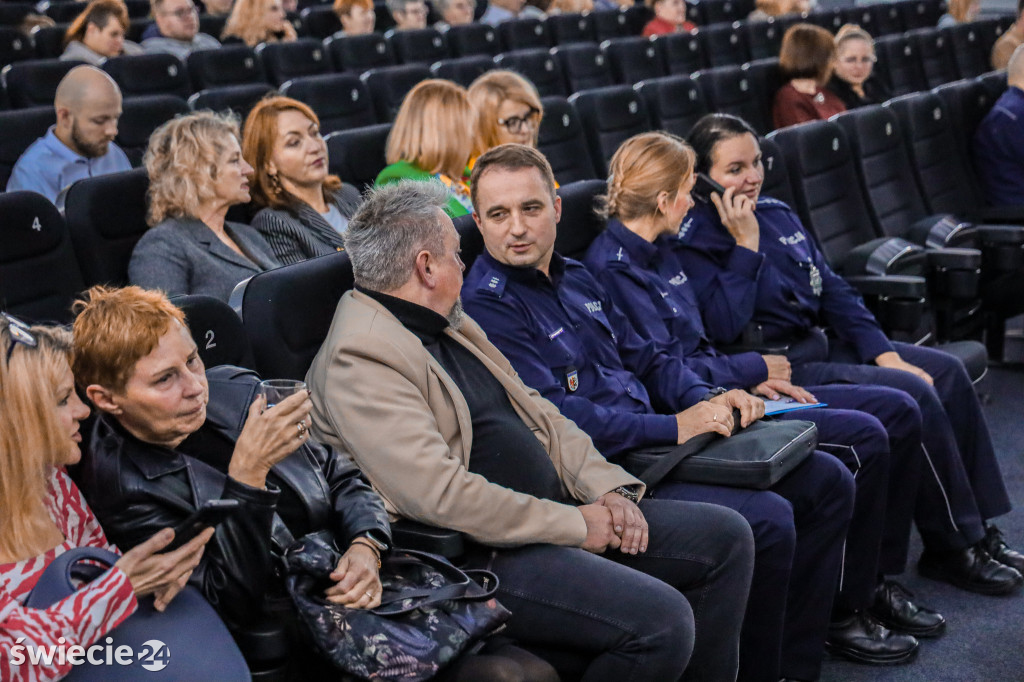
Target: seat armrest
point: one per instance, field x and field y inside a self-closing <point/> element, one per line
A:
<point x="954" y="258"/>
<point x="415" y="535"/>
<point x="898" y="286"/>
<point x="1013" y="215"/>
<point x="1002" y="235"/>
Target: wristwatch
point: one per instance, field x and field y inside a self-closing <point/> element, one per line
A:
<point x="715" y="392"/>
<point x="629" y="492"/>
<point x="381" y="547"/>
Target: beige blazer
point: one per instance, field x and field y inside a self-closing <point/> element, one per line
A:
<point x="379" y="396"/>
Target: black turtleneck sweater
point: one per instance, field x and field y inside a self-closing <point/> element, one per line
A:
<point x="504" y="449"/>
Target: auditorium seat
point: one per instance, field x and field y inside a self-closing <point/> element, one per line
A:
<point x="149" y="74"/>
<point x="39" y="276"/>
<point x="967" y="101"/>
<point x="33" y="82"/>
<point x="140" y="116"/>
<point x="899" y="65"/>
<point x="471" y="242"/>
<point x="562" y="141"/>
<point x="920" y="13"/>
<point x="764" y="38"/>
<point x="609" y="116"/>
<point x="319" y="22"/>
<point x="357" y="155"/>
<point x="137" y="9"/>
<point x="227" y="65"/>
<point x="13" y="13"/>
<point x="212" y="25"/>
<point x="136" y="29"/>
<point x="994" y="82"/>
<point x="610" y="24"/>
<point x="776" y="182"/>
<point x="340" y="100"/>
<point x="18" y="129"/>
<point x="521" y="34"/>
<point x="473" y="39"/>
<point x="934" y="49"/>
<point x="49" y="40"/>
<point x="62" y="12"/>
<point x="967" y="47"/>
<point x="887" y="18"/>
<point x="579" y="224"/>
<point x="863" y="17"/>
<point x="217" y="330"/>
<point x="732" y="90"/>
<point x="682" y="53"/>
<point x="359" y="53"/>
<point x="389" y="85"/>
<point x="830" y="19"/>
<point x="989" y="31"/>
<point x="237" y="98"/>
<point x="674" y="103"/>
<point x="723" y="44"/>
<point x="418" y="46"/>
<point x="571" y="28"/>
<point x="462" y="70"/>
<point x="584" y="66"/>
<point x="538" y="66"/>
<point x="106" y="217"/>
<point x="285" y="61"/>
<point x="14" y="46"/>
<point x="634" y="59"/>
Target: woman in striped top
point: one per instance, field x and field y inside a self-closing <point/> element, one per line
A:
<point x="43" y="514"/>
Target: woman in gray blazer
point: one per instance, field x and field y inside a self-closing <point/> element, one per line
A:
<point x="305" y="209"/>
<point x="196" y="173"/>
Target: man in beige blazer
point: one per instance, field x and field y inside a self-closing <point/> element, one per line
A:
<point x="447" y="433"/>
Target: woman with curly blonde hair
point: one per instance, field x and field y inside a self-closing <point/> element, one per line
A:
<point x="196" y="173"/>
<point x="258" y="21"/>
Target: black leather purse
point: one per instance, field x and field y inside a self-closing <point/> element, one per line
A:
<point x="755" y="457"/>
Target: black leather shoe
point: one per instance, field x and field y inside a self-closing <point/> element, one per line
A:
<point x="862" y="639"/>
<point x="893" y="608"/>
<point x="971" y="569"/>
<point x="995" y="545"/>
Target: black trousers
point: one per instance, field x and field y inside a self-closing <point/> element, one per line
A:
<point x="643" y="617"/>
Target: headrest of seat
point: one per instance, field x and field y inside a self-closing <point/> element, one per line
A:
<point x="112" y="204"/>
<point x="614" y="107"/>
<point x="874" y="130"/>
<point x="821" y="146"/>
<point x="32" y="226"/>
<point x="579" y="224"/>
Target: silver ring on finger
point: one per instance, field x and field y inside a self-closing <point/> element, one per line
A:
<point x="301" y="426"/>
<point x="369" y="595"/>
<point x="715" y="416"/>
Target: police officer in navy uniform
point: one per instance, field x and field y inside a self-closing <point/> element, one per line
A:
<point x="561" y="332"/>
<point x="750" y="260"/>
<point x="636" y="262"/>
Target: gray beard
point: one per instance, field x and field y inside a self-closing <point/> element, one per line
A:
<point x="456" y="316"/>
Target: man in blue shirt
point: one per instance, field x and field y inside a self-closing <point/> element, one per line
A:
<point x="999" y="141"/>
<point x="81" y="144"/>
<point x="564" y="337"/>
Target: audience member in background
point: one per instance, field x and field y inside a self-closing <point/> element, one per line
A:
<point x="177" y="29"/>
<point x="45" y="515"/>
<point x="613" y="5"/>
<point x="408" y="14"/>
<point x="258" y="21"/>
<point x="806" y="60"/>
<point x="571" y="7"/>
<point x="751" y="261"/>
<point x="766" y="9"/>
<point x="305" y="209"/>
<point x="290" y="6"/>
<point x="853" y="81"/>
<point x="81" y="144"/>
<point x="98" y="33"/>
<point x="500" y="11"/>
<point x="669" y="17"/>
<point x="454" y="12"/>
<point x="960" y="12"/>
<point x="999" y="141"/>
<point x="196" y="173"/>
<point x="1011" y="39"/>
<point x="217" y="8"/>
<point x="468" y="446"/>
<point x="508" y="109"/>
<point x="356" y="16"/>
<point x="434" y="136"/>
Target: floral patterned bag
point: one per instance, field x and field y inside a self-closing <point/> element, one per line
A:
<point x="430" y="612"/>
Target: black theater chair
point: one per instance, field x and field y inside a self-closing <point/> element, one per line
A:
<point x="967" y="47"/>
<point x="239" y="99"/>
<point x="140" y="116"/>
<point x="227" y="65"/>
<point x="920" y="13"/>
<point x="610" y="24"/>
<point x="389" y="85"/>
<point x="723" y="44"/>
<point x="579" y="225"/>
<point x="319" y="22"/>
<point x="572" y="28"/>
<point x="675" y="103"/>
<point x="149" y="74"/>
<point x="899" y="65"/>
<point x="610" y="116"/>
<point x="340" y="100"/>
<point x="584" y="66"/>
<point x="462" y="70"/>
<point x="357" y="155"/>
<point x="33" y="82"/>
<point x="473" y="39"/>
<point x="285" y="61"/>
<point x="934" y="49"/>
<point x="18" y="129"/>
<point x="563" y="143"/>
<point x="217" y="331"/>
<point x="14" y="46"/>
<point x="419" y="46"/>
<point x="732" y="90"/>
<point x="359" y="53"/>
<point x="538" y="66"/>
<point x="682" y="53"/>
<point x="764" y="38"/>
<point x="830" y="19"/>
<point x="634" y="59"/>
<point x="887" y="19"/>
<point x="521" y="34"/>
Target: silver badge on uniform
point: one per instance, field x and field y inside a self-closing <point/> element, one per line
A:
<point x="815" y="277"/>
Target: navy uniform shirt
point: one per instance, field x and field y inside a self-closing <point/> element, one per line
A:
<point x="786" y="287"/>
<point x="999" y="150"/>
<point x="566" y="339"/>
<point x="647" y="282"/>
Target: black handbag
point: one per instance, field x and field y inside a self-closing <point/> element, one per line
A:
<point x="755" y="457"/>
<point x="186" y="642"/>
<point x="430" y="612"/>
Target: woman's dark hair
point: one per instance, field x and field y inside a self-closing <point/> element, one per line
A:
<point x="712" y="129"/>
<point x="807" y="52"/>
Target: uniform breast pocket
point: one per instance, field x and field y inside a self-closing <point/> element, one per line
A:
<point x="560" y="350"/>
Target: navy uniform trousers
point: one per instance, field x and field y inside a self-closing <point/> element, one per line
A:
<point x="961" y="484"/>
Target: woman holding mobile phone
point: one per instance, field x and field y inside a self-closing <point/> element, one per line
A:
<point x="45" y="515"/>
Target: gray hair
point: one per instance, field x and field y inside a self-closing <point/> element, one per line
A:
<point x="397" y="5"/>
<point x="394" y="223"/>
<point x="442" y="5"/>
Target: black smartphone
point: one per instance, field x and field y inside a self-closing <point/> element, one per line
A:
<point x="210" y="514"/>
<point x="704" y="186"/>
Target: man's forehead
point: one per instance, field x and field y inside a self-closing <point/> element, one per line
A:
<point x="498" y="187"/>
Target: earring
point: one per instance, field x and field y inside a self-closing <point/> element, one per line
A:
<point x="275" y="183"/>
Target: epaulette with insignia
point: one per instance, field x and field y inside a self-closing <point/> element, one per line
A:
<point x="493" y="283"/>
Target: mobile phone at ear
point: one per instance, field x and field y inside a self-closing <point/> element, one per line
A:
<point x="705" y="186"/>
<point x="210" y="514"/>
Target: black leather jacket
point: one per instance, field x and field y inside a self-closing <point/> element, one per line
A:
<point x="137" y="488"/>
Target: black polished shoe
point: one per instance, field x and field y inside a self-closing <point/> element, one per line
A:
<point x="972" y="569"/>
<point x="995" y="545"/>
<point x="862" y="639"/>
<point x="893" y="608"/>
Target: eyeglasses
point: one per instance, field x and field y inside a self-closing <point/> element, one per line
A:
<point x="19" y="334"/>
<point x="858" y="60"/>
<point x="514" y="124"/>
<point x="183" y="13"/>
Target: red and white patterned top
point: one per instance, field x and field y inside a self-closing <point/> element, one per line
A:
<point x="84" y="617"/>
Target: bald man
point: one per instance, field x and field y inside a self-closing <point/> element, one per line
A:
<point x="999" y="141"/>
<point x="81" y="144"/>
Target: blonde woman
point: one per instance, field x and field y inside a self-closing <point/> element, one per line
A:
<point x="433" y="138"/>
<point x="45" y="515"/>
<point x="508" y="109"/>
<point x="98" y="34"/>
<point x="853" y="80"/>
<point x="258" y="21"/>
<point x="196" y="173"/>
